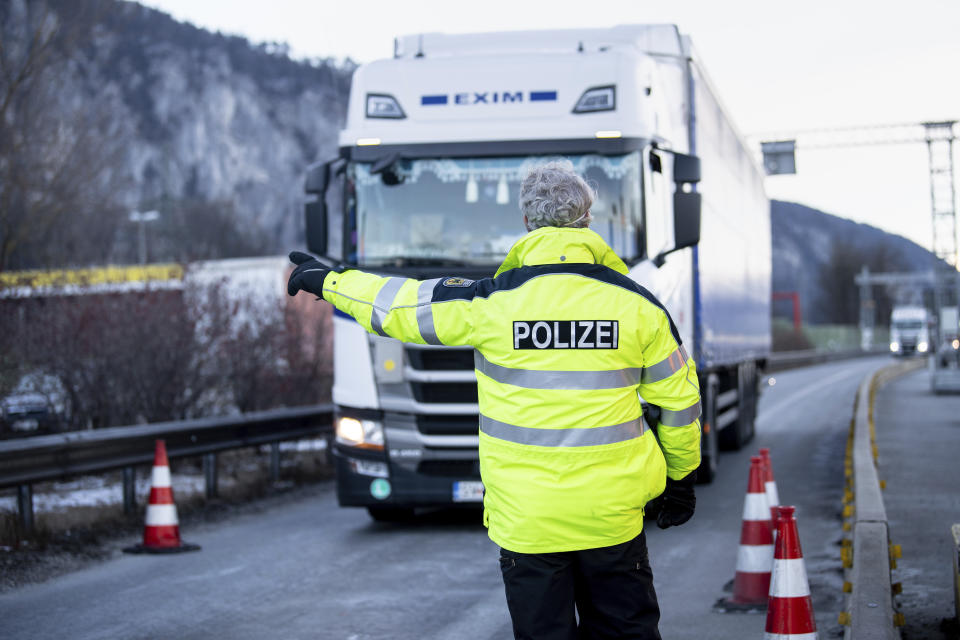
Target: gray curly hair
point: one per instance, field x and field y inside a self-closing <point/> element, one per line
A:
<point x="553" y="195"/>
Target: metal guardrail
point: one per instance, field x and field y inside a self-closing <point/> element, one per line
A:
<point x="782" y="360"/>
<point x="870" y="613"/>
<point x="29" y="460"/>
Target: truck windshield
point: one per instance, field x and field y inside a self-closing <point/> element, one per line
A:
<point x="908" y="325"/>
<point x="464" y="211"/>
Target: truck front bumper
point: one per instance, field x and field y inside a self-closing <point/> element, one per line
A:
<point x="368" y="479"/>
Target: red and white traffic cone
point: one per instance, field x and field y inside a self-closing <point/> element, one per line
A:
<point x="751" y="583"/>
<point x="770" y="485"/>
<point x="161" y="533"/>
<point x="790" y="610"/>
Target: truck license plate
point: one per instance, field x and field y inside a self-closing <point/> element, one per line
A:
<point x="468" y="491"/>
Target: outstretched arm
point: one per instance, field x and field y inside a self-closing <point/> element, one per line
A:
<point x="402" y="308"/>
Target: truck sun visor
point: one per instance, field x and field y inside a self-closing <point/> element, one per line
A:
<point x="597" y="99"/>
<point x="380" y="105"/>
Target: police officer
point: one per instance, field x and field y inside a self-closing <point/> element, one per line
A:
<point x="564" y="342"/>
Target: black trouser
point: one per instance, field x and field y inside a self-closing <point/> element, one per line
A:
<point x="611" y="588"/>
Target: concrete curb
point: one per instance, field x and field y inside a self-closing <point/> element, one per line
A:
<point x="955" y="530"/>
<point x="870" y="613"/>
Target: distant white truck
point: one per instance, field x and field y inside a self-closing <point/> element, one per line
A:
<point x="910" y="330"/>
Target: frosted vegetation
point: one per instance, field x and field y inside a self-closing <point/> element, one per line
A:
<point x="109" y="107"/>
<point x="120" y="359"/>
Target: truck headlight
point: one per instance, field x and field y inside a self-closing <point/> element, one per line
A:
<point x="922" y="347"/>
<point x="894" y="347"/>
<point x="956" y="343"/>
<point x="352" y="432"/>
<point x="380" y="105"/>
<point x="597" y="99"/>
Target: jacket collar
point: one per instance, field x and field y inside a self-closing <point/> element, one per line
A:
<point x="558" y="245"/>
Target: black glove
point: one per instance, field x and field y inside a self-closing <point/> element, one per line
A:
<point x="308" y="275"/>
<point x="678" y="502"/>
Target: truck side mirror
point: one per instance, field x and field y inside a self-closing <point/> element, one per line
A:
<point x="315" y="210"/>
<point x="686" y="219"/>
<point x="686" y="202"/>
<point x="686" y="169"/>
<point x="318" y="177"/>
<point x="316" y="214"/>
<point x="687" y="205"/>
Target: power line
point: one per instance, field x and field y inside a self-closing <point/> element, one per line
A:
<point x="860" y="135"/>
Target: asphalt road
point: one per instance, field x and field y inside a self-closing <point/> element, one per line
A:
<point x="309" y="569"/>
<point x="918" y="440"/>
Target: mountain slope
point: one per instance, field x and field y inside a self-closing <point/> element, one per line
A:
<point x="219" y="119"/>
<point x="805" y="241"/>
<point x="197" y="116"/>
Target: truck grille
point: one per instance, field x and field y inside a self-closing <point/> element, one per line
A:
<point x="441" y="359"/>
<point x="465" y="392"/>
<point x="450" y="468"/>
<point x="441" y="425"/>
<point x="437" y="375"/>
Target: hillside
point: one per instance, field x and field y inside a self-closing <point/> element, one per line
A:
<point x="806" y="240"/>
<point x="186" y="116"/>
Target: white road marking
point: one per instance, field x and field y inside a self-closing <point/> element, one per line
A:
<point x="770" y="413"/>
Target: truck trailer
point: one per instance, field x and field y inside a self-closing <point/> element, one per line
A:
<point x="425" y="185"/>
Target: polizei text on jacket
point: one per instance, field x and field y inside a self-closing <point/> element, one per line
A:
<point x="565" y="334"/>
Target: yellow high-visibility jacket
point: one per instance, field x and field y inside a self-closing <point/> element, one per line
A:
<point x="564" y="343"/>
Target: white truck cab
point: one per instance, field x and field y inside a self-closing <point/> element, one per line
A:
<point x="910" y="330"/>
<point x="436" y="142"/>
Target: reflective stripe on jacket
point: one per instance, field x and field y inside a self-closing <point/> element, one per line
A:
<point x="564" y="342"/>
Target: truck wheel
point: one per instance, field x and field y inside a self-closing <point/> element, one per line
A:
<point x="740" y="432"/>
<point x="709" y="443"/>
<point x="747" y="400"/>
<point x="390" y="514"/>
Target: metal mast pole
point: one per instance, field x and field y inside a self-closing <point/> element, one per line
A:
<point x="867" y="309"/>
<point x="939" y="137"/>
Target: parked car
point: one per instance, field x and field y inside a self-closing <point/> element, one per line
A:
<point x="26" y="414"/>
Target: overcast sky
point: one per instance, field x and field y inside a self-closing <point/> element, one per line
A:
<point x="778" y="67"/>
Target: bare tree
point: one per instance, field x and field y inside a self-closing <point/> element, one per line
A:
<point x="190" y="230"/>
<point x="154" y="355"/>
<point x="839" y="295"/>
<point x="277" y="359"/>
<point x="58" y="151"/>
<point x="10" y="365"/>
<point x="120" y="358"/>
